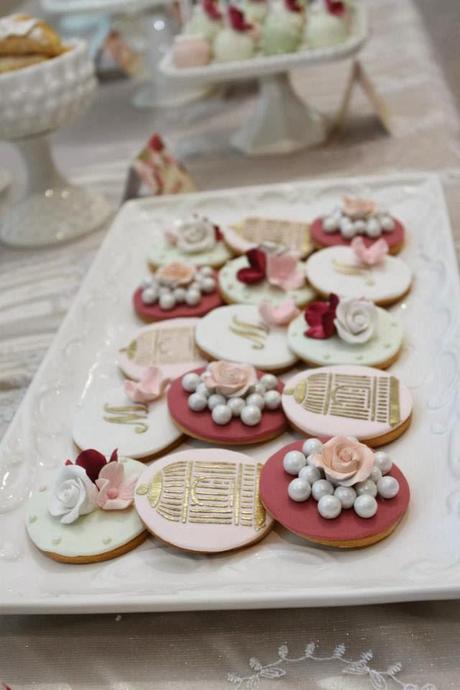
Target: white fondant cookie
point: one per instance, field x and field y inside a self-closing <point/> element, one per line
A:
<point x="167" y="344"/>
<point x="338" y="270"/>
<point x="203" y="500"/>
<point x="379" y="351"/>
<point x="195" y="241"/>
<point x="95" y="536"/>
<point x="239" y="334"/>
<point x="235" y="291"/>
<point x="366" y="403"/>
<point x="252" y="231"/>
<point x="106" y="418"/>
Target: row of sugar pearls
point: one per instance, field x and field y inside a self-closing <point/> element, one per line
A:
<point x="373" y="227"/>
<point x="168" y="297"/>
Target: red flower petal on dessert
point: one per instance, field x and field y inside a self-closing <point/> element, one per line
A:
<point x="211" y="9"/>
<point x="255" y="273"/>
<point x="114" y="456"/>
<point x="293" y="6"/>
<point x="218" y="233"/>
<point x="237" y="19"/>
<point x="320" y="318"/>
<point x="336" y="7"/>
<point x="92" y="462"/>
<point x="156" y="143"/>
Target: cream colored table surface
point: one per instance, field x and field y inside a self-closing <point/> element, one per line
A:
<point x="198" y="650"/>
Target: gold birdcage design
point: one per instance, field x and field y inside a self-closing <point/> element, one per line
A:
<point x="163" y="346"/>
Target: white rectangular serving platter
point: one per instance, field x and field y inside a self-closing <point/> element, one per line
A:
<point x="421" y="560"/>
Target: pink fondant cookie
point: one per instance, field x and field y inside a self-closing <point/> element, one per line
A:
<point x="253" y="231"/>
<point x="357" y="217"/>
<point x="203" y="500"/>
<point x="177" y="290"/>
<point x="340" y="493"/>
<point x="367" y="403"/>
<point x="169" y="345"/>
<point x="228" y="404"/>
<point x="85" y="513"/>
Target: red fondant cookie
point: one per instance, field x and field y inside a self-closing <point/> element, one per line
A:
<point x="303" y="518"/>
<point x="228" y="404"/>
<point x="153" y="312"/>
<point x="322" y="239"/>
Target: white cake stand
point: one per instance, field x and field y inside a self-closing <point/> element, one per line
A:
<point x="34" y="101"/>
<point x="281" y="122"/>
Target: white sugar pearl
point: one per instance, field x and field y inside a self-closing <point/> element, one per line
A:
<point x="216" y="399"/>
<point x="312" y="445"/>
<point x="272" y="400"/>
<point x="208" y="285"/>
<point x="375" y="474"/>
<point x="257" y="388"/>
<point x="388" y="487"/>
<point x="167" y="301"/>
<point x="365" y="506"/>
<point x="236" y="405"/>
<point x="383" y="461"/>
<point x="206" y="271"/>
<point x="164" y="291"/>
<point x="346" y="228"/>
<point x="269" y="381"/>
<point x="329" y="507"/>
<point x="321" y="488"/>
<point x="310" y="474"/>
<point x="148" y="281"/>
<point x="367" y="487"/>
<point x="197" y="402"/>
<point x="179" y="294"/>
<point x="387" y="223"/>
<point x="203" y="390"/>
<point x="299" y="490"/>
<point x="190" y="382"/>
<point x="359" y="226"/>
<point x="221" y="414"/>
<point x="192" y="297"/>
<point x="346" y="496"/>
<point x="373" y="228"/>
<point x="256" y="399"/>
<point x="293" y="461"/>
<point x="250" y="415"/>
<point x="330" y="223"/>
<point x="149" y="295"/>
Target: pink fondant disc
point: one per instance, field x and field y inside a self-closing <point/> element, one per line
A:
<point x="203" y="500"/>
<point x="152" y="312"/>
<point x="201" y="425"/>
<point x="304" y="519"/>
<point x="394" y="239"/>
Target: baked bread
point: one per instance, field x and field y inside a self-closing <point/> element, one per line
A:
<point x="22" y="35"/>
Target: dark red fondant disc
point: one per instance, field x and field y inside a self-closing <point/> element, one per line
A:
<point x="394" y="239"/>
<point x="201" y="425"/>
<point x="152" y="312"/>
<point x="303" y="518"/>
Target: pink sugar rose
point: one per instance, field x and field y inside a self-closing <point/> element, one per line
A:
<point x="230" y="379"/>
<point x="345" y="461"/>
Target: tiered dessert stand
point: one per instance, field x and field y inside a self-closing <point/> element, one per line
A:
<point x="281" y="122"/>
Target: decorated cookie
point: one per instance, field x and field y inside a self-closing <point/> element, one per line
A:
<point x="228" y="404"/>
<point x="346" y="331"/>
<point x="248" y="334"/>
<point x="360" y="272"/>
<point x="132" y="416"/>
<point x="340" y="494"/>
<point x="86" y="512"/>
<point x="357" y="217"/>
<point x="267" y="273"/>
<point x="194" y="241"/>
<point x="203" y="500"/>
<point x="367" y="403"/>
<point x="168" y="344"/>
<point x="177" y="290"/>
<point x="253" y="231"/>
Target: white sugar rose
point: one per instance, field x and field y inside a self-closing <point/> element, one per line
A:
<point x="356" y="320"/>
<point x="74" y="494"/>
<point x="195" y="236"/>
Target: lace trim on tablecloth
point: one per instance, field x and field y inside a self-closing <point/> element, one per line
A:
<point x="377" y="680"/>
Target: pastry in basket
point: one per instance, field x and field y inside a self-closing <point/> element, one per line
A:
<point x="357" y="401"/>
<point x="204" y="500"/>
<point x="236" y="41"/>
<point x="328" y="23"/>
<point x="282" y="28"/>
<point x="195" y="240"/>
<point x="270" y="273"/>
<point x="360" y="272"/>
<point x="130" y="415"/>
<point x="346" y="331"/>
<point x="177" y="290"/>
<point x="340" y="493"/>
<point x="168" y="344"/>
<point x="357" y="217"/>
<point x="250" y="334"/>
<point x="253" y="231"/>
<point x="86" y="513"/>
<point x="26" y="41"/>
<point x="228" y="404"/>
